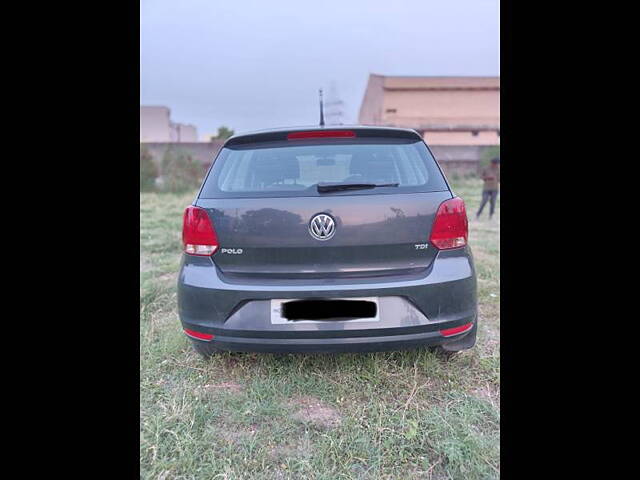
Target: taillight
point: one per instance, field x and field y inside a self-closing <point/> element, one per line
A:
<point x="321" y="134"/>
<point x="198" y="235"/>
<point x="450" y="228"/>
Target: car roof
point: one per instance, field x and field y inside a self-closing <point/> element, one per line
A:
<point x="278" y="134"/>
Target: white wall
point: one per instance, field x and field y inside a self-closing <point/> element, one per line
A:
<point x="181" y="132"/>
<point x="462" y="138"/>
<point x="154" y="124"/>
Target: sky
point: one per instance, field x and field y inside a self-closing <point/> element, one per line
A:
<point x="251" y="64"/>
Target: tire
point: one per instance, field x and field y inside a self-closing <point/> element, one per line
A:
<point x="205" y="349"/>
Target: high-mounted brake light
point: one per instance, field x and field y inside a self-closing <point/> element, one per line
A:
<point x="198" y="335"/>
<point x="198" y="235"/>
<point x="450" y="227"/>
<point x="321" y="134"/>
<point x="456" y="330"/>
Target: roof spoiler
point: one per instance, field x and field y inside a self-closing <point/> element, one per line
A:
<point x="360" y="132"/>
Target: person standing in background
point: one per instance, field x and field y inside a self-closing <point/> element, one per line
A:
<point x="491" y="177"/>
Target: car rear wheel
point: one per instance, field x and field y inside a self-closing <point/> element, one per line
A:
<point x="205" y="349"/>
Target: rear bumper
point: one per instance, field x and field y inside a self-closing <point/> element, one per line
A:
<point x="413" y="309"/>
<point x="338" y="345"/>
<point x="353" y="344"/>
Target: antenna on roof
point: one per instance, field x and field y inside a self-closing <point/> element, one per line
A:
<point x="321" y="110"/>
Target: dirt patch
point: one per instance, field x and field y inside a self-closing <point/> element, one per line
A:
<point x="213" y="389"/>
<point x="312" y="410"/>
<point x="169" y="277"/>
<point x="234" y="435"/>
<point x="298" y="448"/>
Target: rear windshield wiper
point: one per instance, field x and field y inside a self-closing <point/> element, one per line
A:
<point x="335" y="187"/>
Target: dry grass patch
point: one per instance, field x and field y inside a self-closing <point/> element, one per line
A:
<point x="312" y="410"/>
<point x="489" y="393"/>
<point x="234" y="435"/>
<point x="169" y="277"/>
<point x="297" y="448"/>
<point x="214" y="389"/>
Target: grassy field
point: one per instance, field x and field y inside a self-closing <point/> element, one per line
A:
<point x="398" y="415"/>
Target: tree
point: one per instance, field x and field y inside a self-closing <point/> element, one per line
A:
<point x="223" y="133"/>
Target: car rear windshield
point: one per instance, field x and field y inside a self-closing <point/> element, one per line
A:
<point x="280" y="169"/>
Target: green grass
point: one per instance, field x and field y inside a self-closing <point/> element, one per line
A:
<point x="413" y="414"/>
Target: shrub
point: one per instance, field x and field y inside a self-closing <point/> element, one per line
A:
<point x="148" y="170"/>
<point x="180" y="172"/>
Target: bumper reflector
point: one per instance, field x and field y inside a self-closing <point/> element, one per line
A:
<point x="456" y="330"/>
<point x="199" y="335"/>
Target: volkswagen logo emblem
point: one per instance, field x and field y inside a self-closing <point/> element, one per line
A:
<point x="322" y="227"/>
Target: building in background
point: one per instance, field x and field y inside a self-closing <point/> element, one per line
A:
<point x="156" y="126"/>
<point x="159" y="135"/>
<point x="448" y="111"/>
<point x="183" y="133"/>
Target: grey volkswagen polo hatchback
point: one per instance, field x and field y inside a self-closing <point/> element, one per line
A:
<point x="326" y="240"/>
